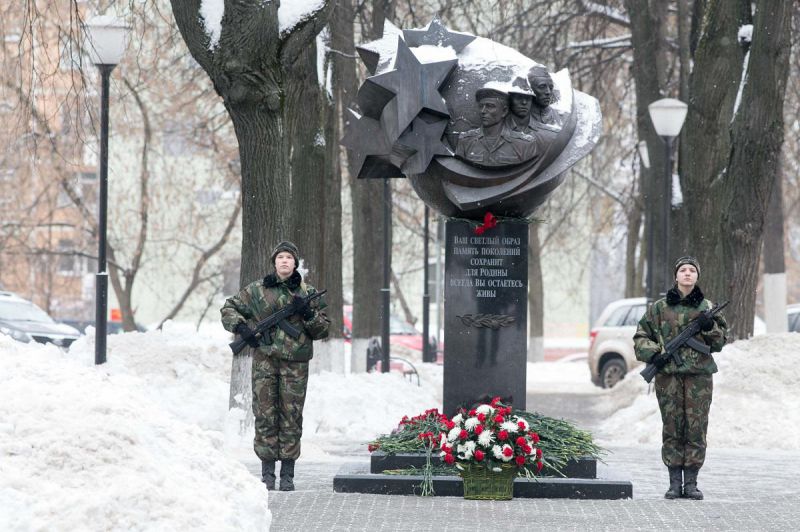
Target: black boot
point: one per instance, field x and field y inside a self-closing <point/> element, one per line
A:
<point x="287" y="475"/>
<point x="268" y="474"/>
<point x="690" y="490"/>
<point x="674" y="491"/>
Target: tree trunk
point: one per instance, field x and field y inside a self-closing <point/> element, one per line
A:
<point x="367" y="205"/>
<point x="757" y="138"/>
<point x="730" y="182"/>
<point x="633" y="277"/>
<point x="649" y="71"/>
<point x="774" y="280"/>
<point x="535" y="297"/>
<point x="265" y="186"/>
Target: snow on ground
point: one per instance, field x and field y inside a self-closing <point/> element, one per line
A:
<point x="756" y="401"/>
<point x="97" y="448"/>
<point x="148" y="438"/>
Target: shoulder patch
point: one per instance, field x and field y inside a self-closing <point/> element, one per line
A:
<point x="470" y="133"/>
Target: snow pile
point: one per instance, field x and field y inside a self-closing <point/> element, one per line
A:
<point x="361" y="406"/>
<point x="94" y="448"/>
<point x="756" y="399"/>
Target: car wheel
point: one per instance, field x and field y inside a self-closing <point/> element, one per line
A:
<point x="613" y="371"/>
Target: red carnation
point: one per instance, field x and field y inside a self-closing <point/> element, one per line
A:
<point x="478" y="429"/>
<point x="472" y="412"/>
<point x="538" y="453"/>
<point x="535" y="437"/>
<point x="478" y="455"/>
<point x="521" y="425"/>
<point x="495" y="400"/>
<point x="372" y="447"/>
<point x="539" y="466"/>
<point x="527" y="448"/>
<point x="508" y="451"/>
<point x="481" y="417"/>
<point x="449" y="458"/>
<point x="520" y="460"/>
<point x="502" y="435"/>
<point x="463" y="434"/>
<point x="498" y="418"/>
<point x="450" y="425"/>
<point x="447" y="449"/>
<point x="521" y="441"/>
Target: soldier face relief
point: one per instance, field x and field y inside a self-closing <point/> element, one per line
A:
<point x="543" y="89"/>
<point x="520" y="105"/>
<point x="492" y="111"/>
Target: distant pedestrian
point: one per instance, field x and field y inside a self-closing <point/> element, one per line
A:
<point x="683" y="392"/>
<point x="280" y="362"/>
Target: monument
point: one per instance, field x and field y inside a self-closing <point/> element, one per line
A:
<point x="484" y="134"/>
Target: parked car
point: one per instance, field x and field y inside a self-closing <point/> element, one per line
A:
<point x="611" y="341"/>
<point x="793" y="314"/>
<point x="404" y="339"/>
<point x="611" y="354"/>
<point x="25" y="322"/>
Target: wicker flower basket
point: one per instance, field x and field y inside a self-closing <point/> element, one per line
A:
<point x="484" y="484"/>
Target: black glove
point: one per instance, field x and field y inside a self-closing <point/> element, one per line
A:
<point x="706" y="321"/>
<point x="303" y="308"/>
<point x="660" y="360"/>
<point x="247" y="334"/>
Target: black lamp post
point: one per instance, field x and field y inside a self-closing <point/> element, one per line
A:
<point x="427" y="355"/>
<point x="667" y="116"/>
<point x="105" y="41"/>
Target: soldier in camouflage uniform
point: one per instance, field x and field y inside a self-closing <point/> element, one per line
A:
<point x="280" y="362"/>
<point x="683" y="392"/>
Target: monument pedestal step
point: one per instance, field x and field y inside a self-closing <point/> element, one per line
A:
<point x="378" y="462"/>
<point x="354" y="477"/>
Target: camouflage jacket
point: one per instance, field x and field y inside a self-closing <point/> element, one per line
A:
<point x="260" y="299"/>
<point x="670" y="315"/>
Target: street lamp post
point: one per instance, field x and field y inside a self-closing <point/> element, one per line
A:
<point x="667" y="116"/>
<point x="427" y="355"/>
<point x="105" y="40"/>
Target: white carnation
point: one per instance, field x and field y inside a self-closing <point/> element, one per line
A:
<point x="486" y="438"/>
<point x="458" y="418"/>
<point x="497" y="451"/>
<point x="471" y="423"/>
<point x="484" y="409"/>
<point x="453" y="434"/>
<point x="509" y="426"/>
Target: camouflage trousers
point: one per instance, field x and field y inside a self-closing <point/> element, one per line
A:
<point x="279" y="393"/>
<point x="684" y="401"/>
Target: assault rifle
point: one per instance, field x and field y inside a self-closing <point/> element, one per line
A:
<point x="264" y="327"/>
<point x="686" y="337"/>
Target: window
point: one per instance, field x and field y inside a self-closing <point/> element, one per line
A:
<point x="617" y="317"/>
<point x="634" y="315"/>
<point x="70" y="264"/>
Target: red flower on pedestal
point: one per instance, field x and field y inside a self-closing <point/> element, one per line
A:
<point x="489" y="221"/>
<point x="502" y="435"/>
<point x="521" y="441"/>
<point x="449" y="458"/>
<point x="520" y="460"/>
<point x="508" y="451"/>
<point x="539" y="466"/>
<point x="478" y="455"/>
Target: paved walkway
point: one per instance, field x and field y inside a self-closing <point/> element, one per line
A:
<point x="745" y="490"/>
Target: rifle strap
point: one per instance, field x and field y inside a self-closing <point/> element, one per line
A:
<point x="698" y="346"/>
